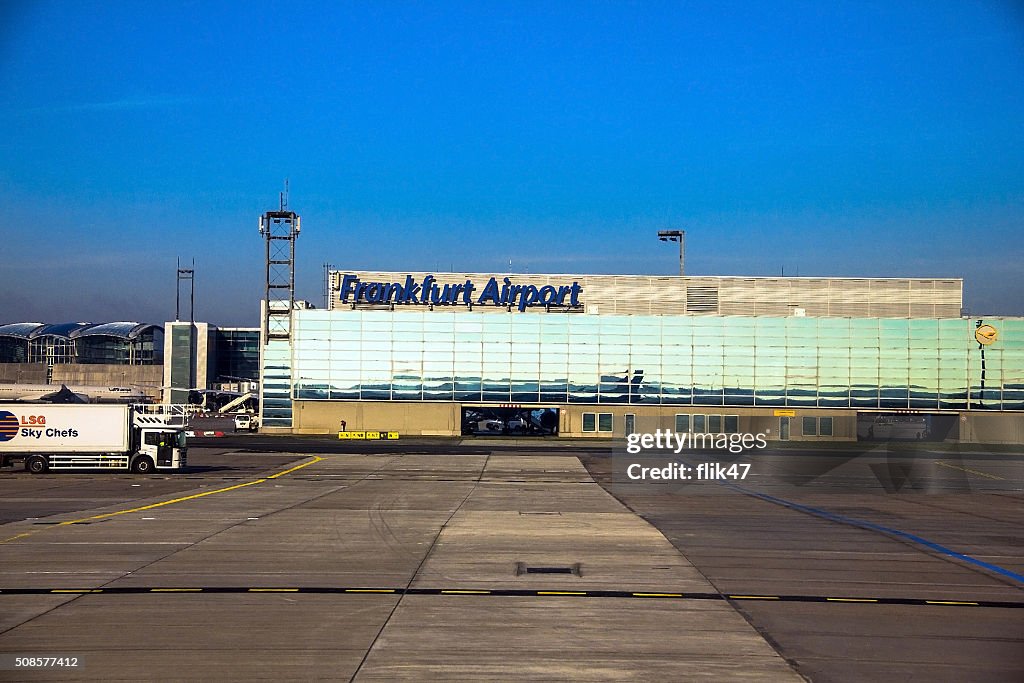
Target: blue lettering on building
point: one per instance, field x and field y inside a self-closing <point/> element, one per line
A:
<point x="428" y="291"/>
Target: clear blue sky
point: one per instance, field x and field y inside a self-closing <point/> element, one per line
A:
<point x="828" y="138"/>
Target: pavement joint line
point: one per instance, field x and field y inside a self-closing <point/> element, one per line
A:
<point x="508" y="592"/>
<point x="107" y="515"/>
<point x="968" y="469"/>
<point x="754" y="597"/>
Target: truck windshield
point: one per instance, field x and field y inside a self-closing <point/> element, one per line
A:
<point x="179" y="439"/>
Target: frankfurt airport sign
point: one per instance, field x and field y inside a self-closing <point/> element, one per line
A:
<point x="430" y="292"/>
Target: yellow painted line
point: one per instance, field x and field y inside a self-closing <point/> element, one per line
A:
<point x="561" y="593"/>
<point x="967" y="469"/>
<point x="77" y="590"/>
<point x="175" y="590"/>
<point x="467" y="592"/>
<point x="754" y="597"/>
<point x="273" y="590"/>
<point x="948" y="602"/>
<point x="658" y="595"/>
<point x="107" y="515"/>
<point x="369" y="590"/>
<point x="852" y="599"/>
<point x="315" y="459"/>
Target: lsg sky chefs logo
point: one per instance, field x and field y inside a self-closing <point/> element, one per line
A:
<point x="30" y="427"/>
<point x="9" y="426"/>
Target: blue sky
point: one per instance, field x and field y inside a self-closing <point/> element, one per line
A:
<point x="838" y="138"/>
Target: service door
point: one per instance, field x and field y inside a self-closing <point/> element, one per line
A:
<point x="784" y="429"/>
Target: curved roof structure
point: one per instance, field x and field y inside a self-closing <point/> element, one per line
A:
<point x="123" y="330"/>
<point x="21" y="330"/>
<point x="58" y="330"/>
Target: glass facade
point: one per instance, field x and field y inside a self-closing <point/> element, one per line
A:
<point x="120" y="343"/>
<point x="237" y="354"/>
<point x="880" y="363"/>
<point x="276" y="388"/>
<point x="13" y="350"/>
<point x="143" y="350"/>
<point x="181" y="355"/>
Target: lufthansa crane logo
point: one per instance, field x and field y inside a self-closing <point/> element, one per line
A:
<point x="986" y="334"/>
<point x="8" y="426"/>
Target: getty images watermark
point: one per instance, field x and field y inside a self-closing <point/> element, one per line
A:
<point x="663" y="457"/>
<point x="665" y="439"/>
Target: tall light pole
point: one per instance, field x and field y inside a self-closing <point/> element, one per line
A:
<point x="675" y="236"/>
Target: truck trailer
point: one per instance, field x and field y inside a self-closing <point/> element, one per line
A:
<point x="90" y="436"/>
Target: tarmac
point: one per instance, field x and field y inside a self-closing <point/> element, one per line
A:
<point x="502" y="565"/>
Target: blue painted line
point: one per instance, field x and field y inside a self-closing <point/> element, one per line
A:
<point x="884" y="529"/>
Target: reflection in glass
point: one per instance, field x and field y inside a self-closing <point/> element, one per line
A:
<point x="530" y="357"/>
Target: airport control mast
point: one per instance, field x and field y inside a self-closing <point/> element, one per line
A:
<point x="280" y="229"/>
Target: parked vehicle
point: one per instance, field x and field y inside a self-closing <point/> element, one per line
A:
<point x="490" y="426"/>
<point x="518" y="424"/>
<point x="245" y="422"/>
<point x="90" y="436"/>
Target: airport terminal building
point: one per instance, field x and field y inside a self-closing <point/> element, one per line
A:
<point x="602" y="355"/>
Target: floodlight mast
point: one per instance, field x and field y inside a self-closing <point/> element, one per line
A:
<point x="675" y="236"/>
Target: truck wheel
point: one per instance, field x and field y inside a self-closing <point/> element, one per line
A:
<point x="36" y="464"/>
<point x="142" y="465"/>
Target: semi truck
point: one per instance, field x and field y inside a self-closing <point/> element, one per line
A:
<point x="131" y="438"/>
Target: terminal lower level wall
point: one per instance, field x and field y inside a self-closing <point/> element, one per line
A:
<point x="147" y="378"/>
<point x="444" y="419"/>
<point x="1005" y="428"/>
<point x="22" y="373"/>
<point x="750" y="420"/>
<point x="408" y="419"/>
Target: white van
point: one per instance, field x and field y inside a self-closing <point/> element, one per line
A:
<point x="246" y="423"/>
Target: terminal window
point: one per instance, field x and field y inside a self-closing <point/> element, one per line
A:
<point x="713" y="424"/>
<point x="699" y="424"/>
<point x="810" y="427"/>
<point x="814" y="426"/>
<point x="597" y="422"/>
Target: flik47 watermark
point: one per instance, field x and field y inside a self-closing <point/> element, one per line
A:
<point x="664" y="457"/>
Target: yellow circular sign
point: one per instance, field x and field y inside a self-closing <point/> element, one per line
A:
<point x="986" y="334"/>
